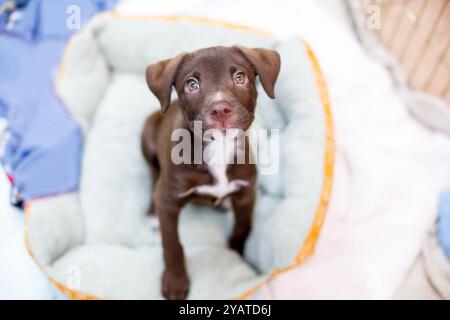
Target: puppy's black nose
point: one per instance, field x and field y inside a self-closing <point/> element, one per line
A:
<point x="220" y="111"/>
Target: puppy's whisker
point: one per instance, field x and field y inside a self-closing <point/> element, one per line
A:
<point x="259" y="115"/>
<point x="259" y="118"/>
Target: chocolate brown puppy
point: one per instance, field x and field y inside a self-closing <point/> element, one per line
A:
<point x="216" y="90"/>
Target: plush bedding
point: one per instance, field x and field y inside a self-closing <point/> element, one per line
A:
<point x="96" y="243"/>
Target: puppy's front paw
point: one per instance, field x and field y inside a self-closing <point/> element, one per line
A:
<point x="175" y="286"/>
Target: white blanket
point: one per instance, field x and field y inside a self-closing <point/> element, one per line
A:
<point x="20" y="277"/>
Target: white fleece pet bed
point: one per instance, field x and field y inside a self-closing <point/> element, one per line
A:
<point x="96" y="243"/>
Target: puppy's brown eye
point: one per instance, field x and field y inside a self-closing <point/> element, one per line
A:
<point x="191" y="85"/>
<point x="239" y="77"/>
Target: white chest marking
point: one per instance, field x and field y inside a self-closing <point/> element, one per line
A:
<point x="218" y="154"/>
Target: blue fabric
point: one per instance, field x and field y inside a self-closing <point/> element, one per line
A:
<point x="40" y="144"/>
<point x="443" y="224"/>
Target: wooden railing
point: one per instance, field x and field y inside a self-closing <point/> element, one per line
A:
<point x="417" y="33"/>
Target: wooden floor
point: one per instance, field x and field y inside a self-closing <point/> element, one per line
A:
<point x="417" y="32"/>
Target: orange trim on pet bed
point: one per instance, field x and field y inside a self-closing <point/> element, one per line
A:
<point x="311" y="239"/>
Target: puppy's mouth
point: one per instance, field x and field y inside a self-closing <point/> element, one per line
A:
<point x="223" y="125"/>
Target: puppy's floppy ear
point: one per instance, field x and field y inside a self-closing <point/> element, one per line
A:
<point x="161" y="77"/>
<point x="267" y="65"/>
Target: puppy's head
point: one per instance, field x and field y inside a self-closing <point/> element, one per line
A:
<point x="215" y="85"/>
